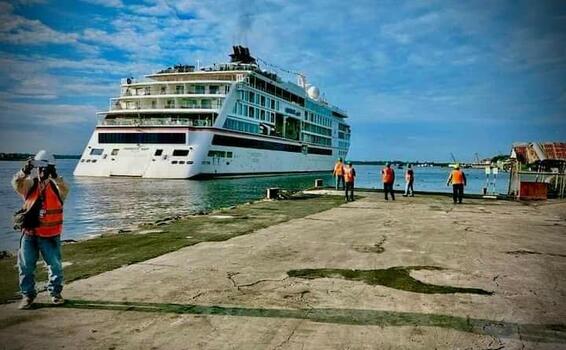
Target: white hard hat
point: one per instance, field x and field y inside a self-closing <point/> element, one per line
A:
<point x="43" y="159"/>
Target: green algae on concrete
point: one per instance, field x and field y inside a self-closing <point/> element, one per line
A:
<point x="108" y="252"/>
<point x="398" y="277"/>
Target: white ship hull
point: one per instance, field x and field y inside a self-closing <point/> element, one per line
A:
<point x="140" y="160"/>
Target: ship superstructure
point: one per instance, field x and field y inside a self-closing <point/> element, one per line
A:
<point x="230" y="119"/>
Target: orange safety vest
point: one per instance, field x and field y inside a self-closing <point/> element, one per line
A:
<point x="387" y="175"/>
<point x="457" y="177"/>
<point x="51" y="212"/>
<point x="339" y="169"/>
<point x="349" y="175"/>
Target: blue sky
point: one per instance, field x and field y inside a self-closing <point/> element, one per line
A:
<point x="419" y="79"/>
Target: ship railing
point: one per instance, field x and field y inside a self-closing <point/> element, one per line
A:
<point x="154" y="122"/>
<point x="119" y="107"/>
<point x="129" y="93"/>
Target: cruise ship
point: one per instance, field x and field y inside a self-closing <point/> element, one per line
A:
<point x="227" y="120"/>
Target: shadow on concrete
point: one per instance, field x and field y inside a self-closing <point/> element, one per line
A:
<point x="546" y="333"/>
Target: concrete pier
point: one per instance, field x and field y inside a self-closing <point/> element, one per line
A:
<point x="415" y="273"/>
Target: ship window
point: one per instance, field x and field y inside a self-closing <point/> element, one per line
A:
<point x="88" y="160"/>
<point x="263" y="101"/>
<point x="262" y="114"/>
<point x="272" y="104"/>
<point x="241" y="126"/>
<point x="180" y="153"/>
<point x="251" y="112"/>
<point x="82" y="160"/>
<point x="174" y="162"/>
<point x="94" y="160"/>
<point x="217" y="154"/>
<point x="181" y="162"/>
<point x="228" y="154"/>
<point x="114" y="152"/>
<point x="141" y="138"/>
<point x="158" y="152"/>
<point x="199" y="89"/>
<point x="230" y="141"/>
<point x="251" y="97"/>
<point x="322" y="151"/>
<point x="213" y="89"/>
<point x="96" y="151"/>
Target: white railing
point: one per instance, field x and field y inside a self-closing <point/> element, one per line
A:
<point x="154" y="122"/>
<point x="119" y="107"/>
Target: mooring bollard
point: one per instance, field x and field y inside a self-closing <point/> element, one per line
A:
<point x="272" y="193"/>
<point x="318" y="183"/>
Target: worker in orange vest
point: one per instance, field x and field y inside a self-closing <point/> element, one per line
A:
<point x="388" y="178"/>
<point x="349" y="177"/>
<point x="339" y="173"/>
<point x="458" y="180"/>
<point x="409" y="180"/>
<point x="41" y="223"/>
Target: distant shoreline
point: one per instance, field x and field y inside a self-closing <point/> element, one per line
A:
<point x="25" y="156"/>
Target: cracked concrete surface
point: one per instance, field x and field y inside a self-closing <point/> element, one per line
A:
<point x="236" y="294"/>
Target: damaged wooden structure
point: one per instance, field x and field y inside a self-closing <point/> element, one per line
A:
<point x="538" y="170"/>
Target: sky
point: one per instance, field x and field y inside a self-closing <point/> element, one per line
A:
<point x="419" y="79"/>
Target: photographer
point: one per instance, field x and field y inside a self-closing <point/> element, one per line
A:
<point x="41" y="223"/>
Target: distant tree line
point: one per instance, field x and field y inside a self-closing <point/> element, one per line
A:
<point x="24" y="156"/>
<point x="399" y="162"/>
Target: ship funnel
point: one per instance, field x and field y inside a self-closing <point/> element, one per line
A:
<point x="241" y="55"/>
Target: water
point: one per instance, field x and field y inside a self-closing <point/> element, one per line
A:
<point x="100" y="204"/>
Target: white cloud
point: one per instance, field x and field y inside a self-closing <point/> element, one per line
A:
<point x="15" y="29"/>
<point x="106" y="3"/>
<point x="159" y="8"/>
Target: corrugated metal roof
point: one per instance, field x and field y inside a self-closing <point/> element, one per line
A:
<point x="530" y="152"/>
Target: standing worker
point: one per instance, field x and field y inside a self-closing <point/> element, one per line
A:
<point x="388" y="177"/>
<point x="458" y="180"/>
<point x="339" y="173"/>
<point x="409" y="179"/>
<point x="349" y="177"/>
<point x="41" y="223"/>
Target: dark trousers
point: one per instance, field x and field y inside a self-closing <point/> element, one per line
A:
<point x="340" y="178"/>
<point x="349" y="188"/>
<point x="388" y="188"/>
<point x="457" y="193"/>
<point x="409" y="187"/>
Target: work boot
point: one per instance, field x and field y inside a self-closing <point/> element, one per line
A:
<point x="26" y="303"/>
<point x="57" y="299"/>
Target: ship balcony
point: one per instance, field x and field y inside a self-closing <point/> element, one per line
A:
<point x="117" y="104"/>
<point x="145" y="94"/>
<point x="161" y="89"/>
<point x="196" y="121"/>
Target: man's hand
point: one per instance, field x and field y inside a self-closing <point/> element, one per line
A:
<point x="52" y="171"/>
<point x="27" y="167"/>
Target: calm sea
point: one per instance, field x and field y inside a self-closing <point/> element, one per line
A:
<point x="100" y="204"/>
